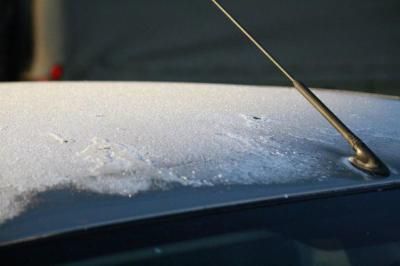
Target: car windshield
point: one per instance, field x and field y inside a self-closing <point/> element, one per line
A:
<point x="159" y="130"/>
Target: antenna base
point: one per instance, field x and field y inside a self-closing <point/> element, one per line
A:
<point x="367" y="161"/>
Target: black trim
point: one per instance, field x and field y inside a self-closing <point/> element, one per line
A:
<point x="144" y="232"/>
<point x="218" y="209"/>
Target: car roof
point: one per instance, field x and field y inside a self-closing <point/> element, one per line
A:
<point x="81" y="153"/>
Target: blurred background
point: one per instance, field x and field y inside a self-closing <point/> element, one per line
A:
<point x="341" y="44"/>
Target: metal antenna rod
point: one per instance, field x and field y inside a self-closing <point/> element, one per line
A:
<point x="251" y="38"/>
<point x="364" y="158"/>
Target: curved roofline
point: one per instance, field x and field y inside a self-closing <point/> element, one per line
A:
<point x="374" y="186"/>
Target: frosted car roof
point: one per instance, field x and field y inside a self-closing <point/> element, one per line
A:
<point x="133" y="140"/>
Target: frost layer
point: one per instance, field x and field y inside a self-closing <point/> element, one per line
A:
<point x="125" y="138"/>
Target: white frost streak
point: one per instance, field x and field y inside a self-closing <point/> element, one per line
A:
<point x="57" y="138"/>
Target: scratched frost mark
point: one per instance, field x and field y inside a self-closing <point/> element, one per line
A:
<point x="119" y="169"/>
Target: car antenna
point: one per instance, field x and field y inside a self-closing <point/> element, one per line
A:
<point x="364" y="158"/>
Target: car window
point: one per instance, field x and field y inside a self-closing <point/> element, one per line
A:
<point x="327" y="230"/>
